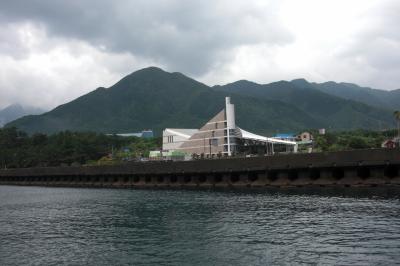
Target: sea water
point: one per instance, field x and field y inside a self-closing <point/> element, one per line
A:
<point x="77" y="226"/>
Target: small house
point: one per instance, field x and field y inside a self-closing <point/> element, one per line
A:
<point x="305" y="137"/>
<point x="389" y="144"/>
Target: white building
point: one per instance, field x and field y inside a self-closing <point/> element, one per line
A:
<point x="220" y="135"/>
<point x="173" y="138"/>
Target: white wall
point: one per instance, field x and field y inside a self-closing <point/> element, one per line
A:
<point x="177" y="140"/>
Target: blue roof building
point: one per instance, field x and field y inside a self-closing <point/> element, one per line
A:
<point x="284" y="136"/>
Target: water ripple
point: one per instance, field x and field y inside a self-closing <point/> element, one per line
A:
<point x="52" y="226"/>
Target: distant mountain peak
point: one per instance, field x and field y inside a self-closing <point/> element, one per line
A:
<point x="151" y="69"/>
<point x="15" y="111"/>
<point x="153" y="72"/>
<point x="148" y="71"/>
<point x="243" y="84"/>
<point x="246" y="81"/>
<point x="301" y="82"/>
<point x="154" y="69"/>
<point x="13" y="106"/>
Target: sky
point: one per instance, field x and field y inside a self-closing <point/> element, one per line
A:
<point x="53" y="51"/>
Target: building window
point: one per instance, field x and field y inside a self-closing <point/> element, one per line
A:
<point x="213" y="134"/>
<point x="213" y="142"/>
<point x="170" y="139"/>
<point x="216" y="125"/>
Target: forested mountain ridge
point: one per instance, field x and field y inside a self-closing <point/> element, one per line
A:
<point x="378" y="98"/>
<point x="155" y="99"/>
<point x="333" y="111"/>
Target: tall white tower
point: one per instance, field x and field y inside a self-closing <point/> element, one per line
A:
<point x="230" y="122"/>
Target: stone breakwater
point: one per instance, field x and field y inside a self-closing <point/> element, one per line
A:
<point x="360" y="168"/>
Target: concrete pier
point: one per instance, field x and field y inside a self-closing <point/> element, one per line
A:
<point x="360" y="168"/>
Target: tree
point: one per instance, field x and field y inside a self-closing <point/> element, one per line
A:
<point x="357" y="142"/>
<point x="397" y="117"/>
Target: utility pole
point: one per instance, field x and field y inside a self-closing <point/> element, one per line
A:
<point x="209" y="142"/>
<point x="204" y="142"/>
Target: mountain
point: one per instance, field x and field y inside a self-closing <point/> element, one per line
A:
<point x="332" y="111"/>
<point x="378" y="98"/>
<point x="15" y="111"/>
<point x="153" y="98"/>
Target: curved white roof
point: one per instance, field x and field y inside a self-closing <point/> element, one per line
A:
<point x="248" y="135"/>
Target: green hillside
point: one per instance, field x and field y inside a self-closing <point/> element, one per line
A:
<point x="154" y="99"/>
<point x="332" y="111"/>
<point x="373" y="97"/>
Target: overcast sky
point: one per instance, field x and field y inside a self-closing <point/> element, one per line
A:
<point x="52" y="51"/>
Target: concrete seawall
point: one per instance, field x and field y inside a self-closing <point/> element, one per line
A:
<point x="361" y="168"/>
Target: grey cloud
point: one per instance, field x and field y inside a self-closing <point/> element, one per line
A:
<point x="189" y="36"/>
<point x="78" y="45"/>
<point x="11" y="42"/>
<point x="377" y="46"/>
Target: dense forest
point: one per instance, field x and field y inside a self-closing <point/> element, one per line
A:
<point x="18" y="149"/>
<point x="351" y="140"/>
